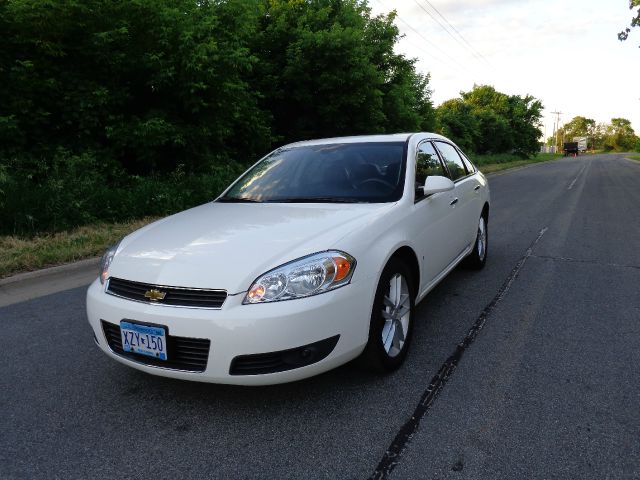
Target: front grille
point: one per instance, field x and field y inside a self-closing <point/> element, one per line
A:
<point x="190" y="354"/>
<point x="176" y="296"/>
<point x="261" y="363"/>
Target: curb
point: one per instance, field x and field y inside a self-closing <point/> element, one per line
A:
<point x="87" y="264"/>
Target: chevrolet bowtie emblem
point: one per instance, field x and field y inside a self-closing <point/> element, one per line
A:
<point x="155" y="295"/>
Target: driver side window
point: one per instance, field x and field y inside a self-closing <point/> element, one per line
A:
<point x="427" y="164"/>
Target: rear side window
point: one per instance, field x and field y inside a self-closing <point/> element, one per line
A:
<point x="452" y="160"/>
<point x="467" y="163"/>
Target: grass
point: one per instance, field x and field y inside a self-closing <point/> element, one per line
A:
<point x="504" y="161"/>
<point x="634" y="157"/>
<point x="21" y="254"/>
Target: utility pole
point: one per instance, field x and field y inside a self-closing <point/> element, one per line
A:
<point x="556" y="131"/>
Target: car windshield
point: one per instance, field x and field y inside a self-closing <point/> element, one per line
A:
<point x="333" y="173"/>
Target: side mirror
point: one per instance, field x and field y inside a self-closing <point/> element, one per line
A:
<point x="437" y="184"/>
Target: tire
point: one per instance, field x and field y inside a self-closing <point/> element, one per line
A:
<point x="391" y="323"/>
<point x="478" y="256"/>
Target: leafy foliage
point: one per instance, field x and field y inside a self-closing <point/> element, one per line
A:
<point x="577" y="127"/>
<point x="487" y="121"/>
<point x="148" y="84"/>
<point x="79" y="189"/>
<point x="124" y="107"/>
<point x="117" y="109"/>
<point x="328" y="68"/>
<point x="617" y="135"/>
<point x="456" y="121"/>
<point x="635" y="21"/>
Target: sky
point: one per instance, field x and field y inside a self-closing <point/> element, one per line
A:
<point x="565" y="53"/>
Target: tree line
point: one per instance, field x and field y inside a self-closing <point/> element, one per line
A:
<point x="618" y="135"/>
<point x="487" y="121"/>
<point x="113" y="109"/>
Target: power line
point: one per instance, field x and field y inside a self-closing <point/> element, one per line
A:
<point x="432" y="54"/>
<point x="473" y="49"/>
<point x="470" y="50"/>
<point x="440" y="24"/>
<point x="457" y="64"/>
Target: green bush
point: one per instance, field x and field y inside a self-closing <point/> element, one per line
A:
<point x="486" y="121"/>
<point x="121" y="109"/>
<point x="74" y="190"/>
<point x="113" y="110"/>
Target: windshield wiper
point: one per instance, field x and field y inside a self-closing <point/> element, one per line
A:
<point x="315" y="200"/>
<point x="237" y="200"/>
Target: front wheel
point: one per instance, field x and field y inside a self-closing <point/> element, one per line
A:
<point x="478" y="256"/>
<point x="391" y="319"/>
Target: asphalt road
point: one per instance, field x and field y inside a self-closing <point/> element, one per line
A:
<point x="548" y="385"/>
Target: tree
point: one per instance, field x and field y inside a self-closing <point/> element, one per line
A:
<point x="635" y="21"/>
<point x="327" y="68"/>
<point x="599" y="134"/>
<point x="579" y="127"/>
<point x="149" y="84"/>
<point x="106" y="99"/>
<point x="152" y="85"/>
<point x="489" y="121"/>
<point x="620" y="136"/>
<point x="456" y="121"/>
<point x="524" y="118"/>
<point x="491" y="109"/>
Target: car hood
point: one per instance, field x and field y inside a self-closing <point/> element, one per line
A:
<point x="227" y="245"/>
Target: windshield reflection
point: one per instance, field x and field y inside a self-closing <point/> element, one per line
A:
<point x="334" y="173"/>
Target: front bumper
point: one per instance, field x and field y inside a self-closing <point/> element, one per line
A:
<point x="238" y="330"/>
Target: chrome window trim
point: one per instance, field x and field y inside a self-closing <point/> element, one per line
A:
<point x="435" y="141"/>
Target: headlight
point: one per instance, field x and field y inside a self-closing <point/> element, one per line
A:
<point x="317" y="273"/>
<point x="105" y="262"/>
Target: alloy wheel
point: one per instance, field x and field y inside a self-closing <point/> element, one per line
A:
<point x="482" y="239"/>
<point x="396" y="314"/>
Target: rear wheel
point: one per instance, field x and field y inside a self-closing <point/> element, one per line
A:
<point x="391" y="319"/>
<point x="478" y="256"/>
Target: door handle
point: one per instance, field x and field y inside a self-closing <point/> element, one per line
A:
<point x="476" y="188"/>
<point x="454" y="201"/>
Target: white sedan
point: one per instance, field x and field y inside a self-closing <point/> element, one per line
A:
<point x="313" y="257"/>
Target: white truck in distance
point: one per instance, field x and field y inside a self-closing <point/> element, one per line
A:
<point x="582" y="143"/>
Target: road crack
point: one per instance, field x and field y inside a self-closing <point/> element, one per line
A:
<point x="392" y="456"/>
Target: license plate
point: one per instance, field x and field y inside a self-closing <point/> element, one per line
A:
<point x="144" y="339"/>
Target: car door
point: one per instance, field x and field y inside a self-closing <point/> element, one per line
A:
<point x="433" y="217"/>
<point x="464" y="226"/>
<point x="478" y="198"/>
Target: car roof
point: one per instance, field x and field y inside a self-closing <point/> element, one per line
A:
<point x="394" y="137"/>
